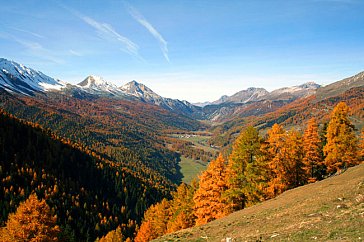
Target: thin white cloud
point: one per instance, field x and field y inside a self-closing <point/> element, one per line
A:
<point x="75" y="53"/>
<point x="38" y="50"/>
<point x="141" y="19"/>
<point x="107" y="32"/>
<point x="28" y="32"/>
<point x="33" y="48"/>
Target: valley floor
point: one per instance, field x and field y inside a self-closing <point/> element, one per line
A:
<point x="329" y="210"/>
<point x="190" y="169"/>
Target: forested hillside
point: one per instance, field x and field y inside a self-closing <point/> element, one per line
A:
<point x="127" y="132"/>
<point x="258" y="169"/>
<point x="329" y="210"/>
<point x="294" y="114"/>
<point x="89" y="194"/>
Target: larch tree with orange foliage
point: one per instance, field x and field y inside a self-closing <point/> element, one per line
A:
<point x="32" y="221"/>
<point x="169" y="216"/>
<point x="272" y="151"/>
<point x="341" y="149"/>
<point x="291" y="156"/>
<point x="209" y="201"/>
<point x="155" y="222"/>
<point x="312" y="151"/>
<point x="145" y="232"/>
<point x="113" y="236"/>
<point x="283" y="154"/>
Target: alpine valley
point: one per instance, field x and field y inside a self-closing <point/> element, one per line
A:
<point x="101" y="155"/>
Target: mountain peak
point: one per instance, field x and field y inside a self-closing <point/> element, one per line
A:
<point x="139" y="90"/>
<point x="135" y="83"/>
<point x="93" y="81"/>
<point x="250" y="94"/>
<point x="310" y="85"/>
<point x="97" y="85"/>
<point x="15" y="77"/>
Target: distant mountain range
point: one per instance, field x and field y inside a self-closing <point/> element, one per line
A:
<point x="16" y="78"/>
<point x="256" y="101"/>
<point x="253" y="94"/>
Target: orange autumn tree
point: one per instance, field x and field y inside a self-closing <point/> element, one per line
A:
<point x="341" y="149"/>
<point x="169" y="216"/>
<point x="209" y="201"/>
<point x="32" y="221"/>
<point x="292" y="155"/>
<point x="113" y="236"/>
<point x="145" y="232"/>
<point x="155" y="222"/>
<point x="283" y="154"/>
<point x="272" y="150"/>
<point x="312" y="159"/>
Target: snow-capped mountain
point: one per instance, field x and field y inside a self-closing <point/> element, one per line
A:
<point x="255" y="101"/>
<point x="141" y="91"/>
<point x="249" y="95"/>
<point x="147" y="95"/>
<point x="97" y="85"/>
<point x="17" y="78"/>
<point x="253" y="94"/>
<point x="294" y="92"/>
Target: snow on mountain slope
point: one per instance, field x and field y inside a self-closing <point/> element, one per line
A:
<point x="253" y="94"/>
<point x="248" y="95"/>
<point x="146" y="94"/>
<point x="17" y="78"/>
<point x="97" y="85"/>
<point x="294" y="92"/>
<point x="140" y="90"/>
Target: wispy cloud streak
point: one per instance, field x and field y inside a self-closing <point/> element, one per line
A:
<point x="75" y="53"/>
<point x="29" y="32"/>
<point x="141" y="19"/>
<point x="107" y="32"/>
<point x="34" y="48"/>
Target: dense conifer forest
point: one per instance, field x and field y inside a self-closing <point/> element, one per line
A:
<point x="89" y="195"/>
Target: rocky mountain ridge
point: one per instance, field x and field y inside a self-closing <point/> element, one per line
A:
<point x="253" y="94"/>
<point x="16" y="78"/>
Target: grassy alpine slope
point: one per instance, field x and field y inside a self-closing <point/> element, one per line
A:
<point x="329" y="210"/>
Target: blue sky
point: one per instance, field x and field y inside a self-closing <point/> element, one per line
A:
<point x="196" y="50"/>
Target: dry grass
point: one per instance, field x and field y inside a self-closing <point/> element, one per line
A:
<point x="329" y="210"/>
